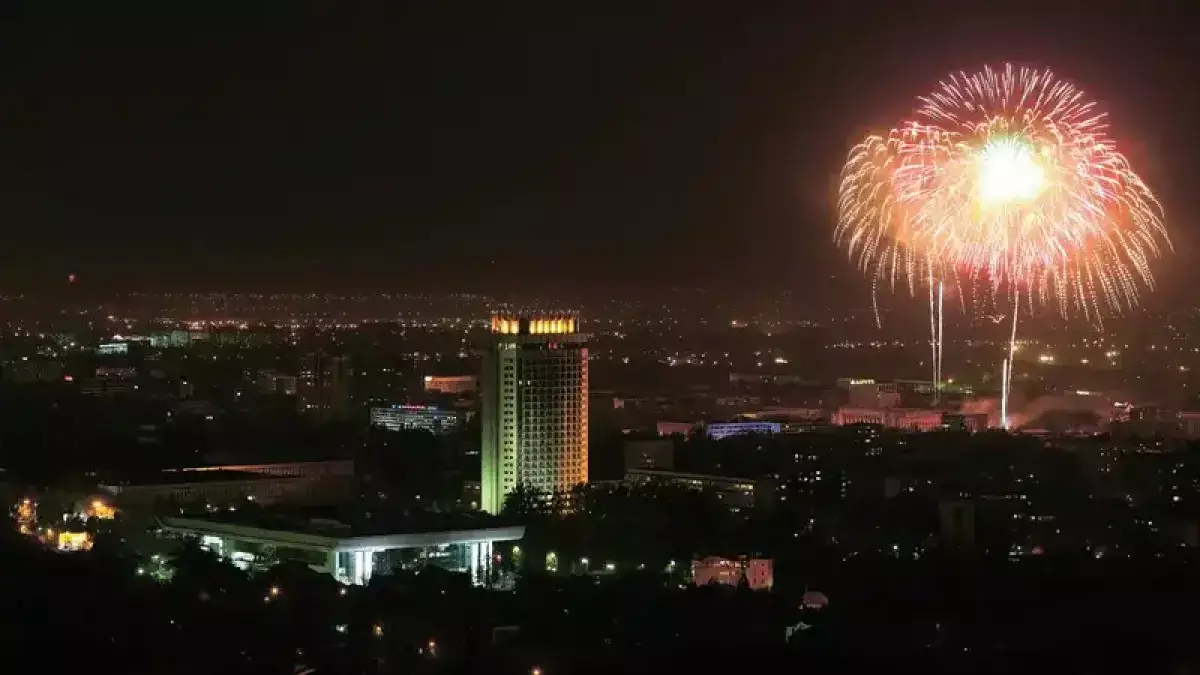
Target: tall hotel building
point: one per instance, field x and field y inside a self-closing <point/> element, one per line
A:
<point x="534" y="395"/>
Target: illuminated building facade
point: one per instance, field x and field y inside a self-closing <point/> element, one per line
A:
<point x="113" y="348"/>
<point x="917" y="420"/>
<point x="719" y="430"/>
<point x="350" y="556"/>
<point x="907" y="419"/>
<point x="534" y="400"/>
<point x="170" y="338"/>
<point x="672" y="428"/>
<point x="759" y="573"/>
<point x="420" y="417"/>
<point x="457" y="385"/>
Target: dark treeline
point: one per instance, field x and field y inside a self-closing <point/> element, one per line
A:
<point x="947" y="614"/>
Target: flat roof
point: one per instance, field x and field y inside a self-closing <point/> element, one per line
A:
<point x="669" y="473"/>
<point x="190" y="477"/>
<point x="262" y="466"/>
<point x="331" y="535"/>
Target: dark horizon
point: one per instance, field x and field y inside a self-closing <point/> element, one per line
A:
<point x="526" y="150"/>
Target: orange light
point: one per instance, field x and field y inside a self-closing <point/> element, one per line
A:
<point x="534" y="325"/>
<point x="99" y="509"/>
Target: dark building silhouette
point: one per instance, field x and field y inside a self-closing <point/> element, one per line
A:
<point x="323" y="386"/>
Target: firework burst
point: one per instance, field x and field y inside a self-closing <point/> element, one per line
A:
<point x="1004" y="178"/>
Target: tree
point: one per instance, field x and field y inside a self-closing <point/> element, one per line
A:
<point x="197" y="569"/>
<point x="524" y="503"/>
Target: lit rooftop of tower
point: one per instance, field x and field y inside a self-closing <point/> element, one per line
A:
<point x="535" y="324"/>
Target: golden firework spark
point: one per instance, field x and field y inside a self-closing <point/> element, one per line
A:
<point x="1006" y="176"/>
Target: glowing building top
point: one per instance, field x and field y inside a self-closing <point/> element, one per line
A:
<point x="534" y="324"/>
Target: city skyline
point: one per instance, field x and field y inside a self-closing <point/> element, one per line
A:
<point x="576" y="339"/>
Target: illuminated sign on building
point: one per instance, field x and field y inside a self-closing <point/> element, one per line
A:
<point x="421" y="417"/>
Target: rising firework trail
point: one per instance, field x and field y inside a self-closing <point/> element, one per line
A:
<point x="937" y="291"/>
<point x="1007" y="180"/>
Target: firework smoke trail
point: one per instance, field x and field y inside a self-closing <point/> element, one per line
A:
<point x="937" y="382"/>
<point x="1004" y="393"/>
<point x="1010" y="362"/>
<point x="937" y="329"/>
<point x="933" y="335"/>
<point x="1008" y="180"/>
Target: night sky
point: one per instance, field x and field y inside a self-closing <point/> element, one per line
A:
<point x="511" y="146"/>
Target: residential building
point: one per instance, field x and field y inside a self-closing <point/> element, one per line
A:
<point x="323" y="386"/>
